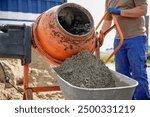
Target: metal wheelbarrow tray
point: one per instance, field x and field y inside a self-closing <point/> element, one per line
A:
<point x="124" y="89"/>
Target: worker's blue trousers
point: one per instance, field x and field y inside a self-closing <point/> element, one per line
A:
<point x="130" y="60"/>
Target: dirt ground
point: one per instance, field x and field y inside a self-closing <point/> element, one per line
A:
<point x="39" y="75"/>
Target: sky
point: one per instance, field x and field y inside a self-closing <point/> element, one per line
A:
<point x="97" y="8"/>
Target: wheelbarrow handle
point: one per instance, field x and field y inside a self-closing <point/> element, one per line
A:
<point x="100" y="38"/>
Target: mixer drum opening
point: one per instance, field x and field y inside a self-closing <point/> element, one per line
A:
<point x="75" y="20"/>
<point x="63" y="31"/>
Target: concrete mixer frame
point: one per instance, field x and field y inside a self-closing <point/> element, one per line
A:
<point x="100" y="36"/>
<point x="28" y="91"/>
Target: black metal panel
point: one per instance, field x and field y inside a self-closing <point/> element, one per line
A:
<point x="15" y="42"/>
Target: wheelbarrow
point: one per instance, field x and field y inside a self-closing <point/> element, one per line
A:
<point x="124" y="89"/>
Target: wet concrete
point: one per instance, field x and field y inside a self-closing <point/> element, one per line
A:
<point x="74" y="21"/>
<point x="87" y="71"/>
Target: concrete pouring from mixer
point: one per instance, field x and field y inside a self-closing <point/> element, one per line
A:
<point x="87" y="71"/>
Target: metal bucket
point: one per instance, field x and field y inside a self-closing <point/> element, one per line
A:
<point x="124" y="89"/>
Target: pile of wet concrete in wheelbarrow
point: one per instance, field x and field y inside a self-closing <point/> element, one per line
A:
<point x="87" y="71"/>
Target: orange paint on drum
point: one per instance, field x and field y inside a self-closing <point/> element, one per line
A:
<point x="63" y="31"/>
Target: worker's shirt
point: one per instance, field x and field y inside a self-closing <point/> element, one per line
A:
<point x="131" y="27"/>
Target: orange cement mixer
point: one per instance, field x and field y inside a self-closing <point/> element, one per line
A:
<point x="63" y="31"/>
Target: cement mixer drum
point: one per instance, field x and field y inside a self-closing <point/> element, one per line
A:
<point x="63" y="31"/>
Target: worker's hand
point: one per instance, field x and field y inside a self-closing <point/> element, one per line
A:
<point x="114" y="10"/>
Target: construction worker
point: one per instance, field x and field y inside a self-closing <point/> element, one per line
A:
<point x="130" y="60"/>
